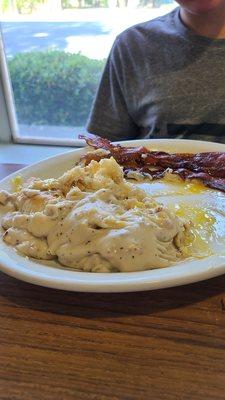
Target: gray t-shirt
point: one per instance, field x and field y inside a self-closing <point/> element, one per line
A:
<point x="161" y="80"/>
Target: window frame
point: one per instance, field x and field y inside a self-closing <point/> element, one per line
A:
<point x="8" y="122"/>
<point x="9" y="127"/>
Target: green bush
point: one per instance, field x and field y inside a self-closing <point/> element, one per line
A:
<point x="54" y="88"/>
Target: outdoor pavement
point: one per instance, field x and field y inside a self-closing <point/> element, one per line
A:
<point x="90" y="32"/>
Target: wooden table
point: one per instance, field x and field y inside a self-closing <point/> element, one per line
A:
<point x="166" y="344"/>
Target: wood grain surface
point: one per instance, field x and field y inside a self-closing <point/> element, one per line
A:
<point x="165" y="344"/>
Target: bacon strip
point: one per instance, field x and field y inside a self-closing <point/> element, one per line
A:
<point x="208" y="167"/>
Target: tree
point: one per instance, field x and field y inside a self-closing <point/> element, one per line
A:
<point x="8" y="5"/>
<point x="22" y="6"/>
<point x="27" y="6"/>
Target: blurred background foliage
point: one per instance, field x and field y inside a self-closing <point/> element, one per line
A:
<point x="30" y="6"/>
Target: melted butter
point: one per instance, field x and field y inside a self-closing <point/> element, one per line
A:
<point x="202" y="230"/>
<point x="207" y="230"/>
<point x="194" y="187"/>
<point x="202" y="207"/>
<point x="16" y="183"/>
<point x="173" y="185"/>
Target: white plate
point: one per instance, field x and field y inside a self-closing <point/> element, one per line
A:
<point x="47" y="274"/>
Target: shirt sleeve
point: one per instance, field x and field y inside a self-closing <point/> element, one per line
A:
<point x="109" y="116"/>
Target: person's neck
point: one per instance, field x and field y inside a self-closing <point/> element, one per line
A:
<point x="211" y="24"/>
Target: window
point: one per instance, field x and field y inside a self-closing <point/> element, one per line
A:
<point x="55" y="52"/>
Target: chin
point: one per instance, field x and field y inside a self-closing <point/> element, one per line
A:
<point x="201" y="6"/>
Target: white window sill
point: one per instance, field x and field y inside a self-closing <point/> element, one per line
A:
<point x="28" y="154"/>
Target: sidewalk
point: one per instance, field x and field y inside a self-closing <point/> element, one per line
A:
<point x="90" y="32"/>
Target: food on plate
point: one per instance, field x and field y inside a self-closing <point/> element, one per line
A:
<point x="92" y="219"/>
<point x="208" y="167"/>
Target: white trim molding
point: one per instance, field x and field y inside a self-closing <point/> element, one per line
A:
<point x="8" y="120"/>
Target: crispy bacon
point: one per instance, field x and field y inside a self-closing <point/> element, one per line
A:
<point x="208" y="167"/>
<point x="130" y="157"/>
<point x="212" y="162"/>
<point x="207" y="179"/>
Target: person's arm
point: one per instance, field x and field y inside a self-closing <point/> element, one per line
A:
<point x="110" y="115"/>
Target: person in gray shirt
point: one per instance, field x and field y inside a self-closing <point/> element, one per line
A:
<point x="166" y="78"/>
